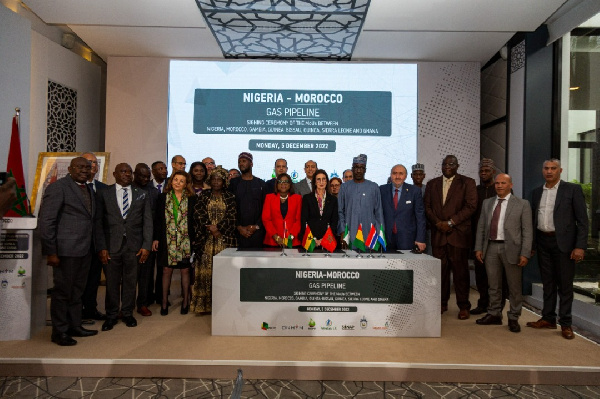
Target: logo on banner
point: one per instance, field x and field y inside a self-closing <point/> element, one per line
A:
<point x="363" y="323"/>
<point x="21" y="272"/>
<point x="20" y="287"/>
<point x="296" y="327"/>
<point x="329" y="326"/>
<point x="7" y="271"/>
<point x="4" y="283"/>
<point x="265" y="326"/>
<point x="348" y="327"/>
<point x="385" y="327"/>
<point x="312" y="324"/>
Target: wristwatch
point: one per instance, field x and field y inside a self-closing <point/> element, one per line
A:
<point x="450" y="224"/>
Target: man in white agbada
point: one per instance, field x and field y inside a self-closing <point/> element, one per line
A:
<point x="359" y="202"/>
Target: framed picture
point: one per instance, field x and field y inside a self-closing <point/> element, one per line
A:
<point x="51" y="166"/>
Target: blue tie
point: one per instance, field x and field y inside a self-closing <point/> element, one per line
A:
<point x="125" y="203"/>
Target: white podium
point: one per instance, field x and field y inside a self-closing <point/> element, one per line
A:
<point x="261" y="293"/>
<point x="16" y="241"/>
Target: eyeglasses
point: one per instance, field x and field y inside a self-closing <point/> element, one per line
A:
<point x="283" y="181"/>
<point x="335" y="185"/>
<point x="209" y="163"/>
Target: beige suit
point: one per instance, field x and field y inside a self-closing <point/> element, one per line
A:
<point x="518" y="238"/>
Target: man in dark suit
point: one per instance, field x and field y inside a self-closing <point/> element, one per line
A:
<point x="503" y="239"/>
<point x="124" y="238"/>
<point x="304" y="186"/>
<point x="65" y="221"/>
<point x="450" y="200"/>
<point x="90" y="294"/>
<point x="403" y="212"/>
<point x="145" y="297"/>
<point x="250" y="194"/>
<point x="280" y="167"/>
<point x="561" y="229"/>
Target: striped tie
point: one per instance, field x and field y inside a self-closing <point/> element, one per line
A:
<point x="125" y="203"/>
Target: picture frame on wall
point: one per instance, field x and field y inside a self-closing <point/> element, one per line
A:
<point x="52" y="166"/>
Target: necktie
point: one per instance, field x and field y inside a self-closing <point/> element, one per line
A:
<point x="446" y="187"/>
<point x="125" y="203"/>
<point x="86" y="197"/>
<point x="495" y="219"/>
<point x="92" y="187"/>
<point x="159" y="187"/>
<point x="395" y="230"/>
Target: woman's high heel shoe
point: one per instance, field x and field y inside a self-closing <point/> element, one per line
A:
<point x="186" y="309"/>
<point x="164" y="312"/>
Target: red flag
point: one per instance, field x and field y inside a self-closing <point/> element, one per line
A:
<point x="307" y="233"/>
<point x="15" y="169"/>
<point x="328" y="241"/>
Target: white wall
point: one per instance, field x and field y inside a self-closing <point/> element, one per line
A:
<point x="50" y="61"/>
<point x="137" y="99"/>
<point x="137" y="109"/>
<point x="15" y="56"/>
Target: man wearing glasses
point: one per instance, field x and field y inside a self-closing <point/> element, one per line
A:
<point x="178" y="163"/>
<point x="210" y="165"/>
<point x="450" y="200"/>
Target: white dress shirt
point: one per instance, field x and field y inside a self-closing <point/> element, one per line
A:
<point x="503" y="205"/>
<point x="546" y="210"/>
<point x="120" y="190"/>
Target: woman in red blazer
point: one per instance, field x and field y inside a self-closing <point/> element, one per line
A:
<point x="283" y="205"/>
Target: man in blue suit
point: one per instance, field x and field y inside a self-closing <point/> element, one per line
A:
<point x="561" y="228"/>
<point x="403" y="212"/>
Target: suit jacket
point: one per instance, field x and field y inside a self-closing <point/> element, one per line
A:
<point x="318" y="223"/>
<point x="518" y="230"/>
<point x="409" y="216"/>
<point x="461" y="202"/>
<point x="302" y="188"/>
<point x="160" y="226"/>
<point x="273" y="221"/>
<point x="110" y="225"/>
<point x="65" y="223"/>
<point x="570" y="216"/>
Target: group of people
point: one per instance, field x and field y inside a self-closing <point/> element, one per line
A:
<point x="182" y="221"/>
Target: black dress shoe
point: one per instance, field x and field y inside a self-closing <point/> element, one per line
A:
<point x="513" y="326"/>
<point x="488" y="319"/>
<point x="478" y="310"/>
<point x="81" y="332"/>
<point x="130" y="321"/>
<point x="164" y="312"/>
<point x="93" y="315"/>
<point x="63" y="339"/>
<point x="109" y="324"/>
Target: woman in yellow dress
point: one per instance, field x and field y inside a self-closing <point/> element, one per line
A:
<point x="214" y="221"/>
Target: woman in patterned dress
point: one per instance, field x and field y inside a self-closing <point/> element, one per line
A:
<point x="215" y="221"/>
<point x="173" y="235"/>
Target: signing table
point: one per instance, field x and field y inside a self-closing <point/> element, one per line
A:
<point x="261" y="293"/>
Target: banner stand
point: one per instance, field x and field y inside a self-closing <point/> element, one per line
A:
<point x="16" y="254"/>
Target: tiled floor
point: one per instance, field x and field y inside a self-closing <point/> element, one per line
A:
<point x="159" y="388"/>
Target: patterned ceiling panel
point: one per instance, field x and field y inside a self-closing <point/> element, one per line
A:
<point x="286" y="29"/>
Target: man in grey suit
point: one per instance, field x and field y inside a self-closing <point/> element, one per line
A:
<point x="304" y="186"/>
<point x="65" y="221"/>
<point x="503" y="239"/>
<point x="123" y="238"/>
<point x="561" y="229"/>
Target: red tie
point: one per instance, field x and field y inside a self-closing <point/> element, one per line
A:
<point x="394" y="230"/>
<point x="495" y="219"/>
